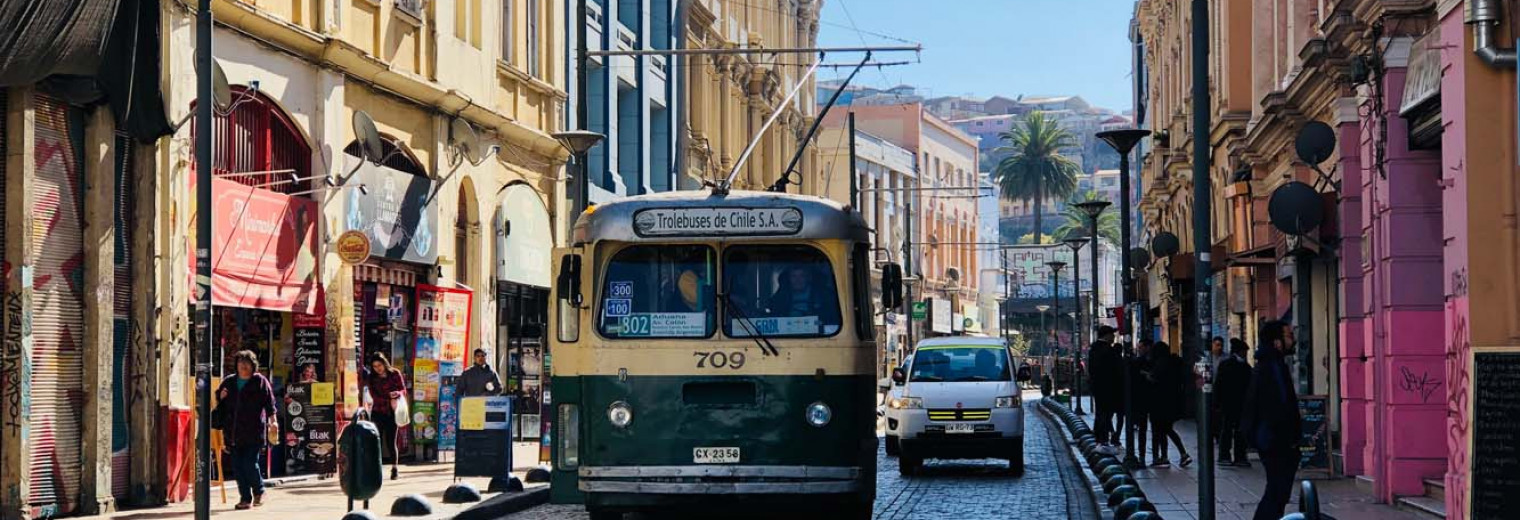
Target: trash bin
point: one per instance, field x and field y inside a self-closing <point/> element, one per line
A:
<point x="360" y="470"/>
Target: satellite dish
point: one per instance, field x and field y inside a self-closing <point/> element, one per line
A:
<point x="463" y="138"/>
<point x="1165" y="244"/>
<point x="370" y="142"/>
<point x="1296" y="208"/>
<point x="1139" y="257"/>
<point x="221" y="91"/>
<point x="1315" y="142"/>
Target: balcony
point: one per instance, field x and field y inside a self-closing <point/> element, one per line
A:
<point x="411" y="8"/>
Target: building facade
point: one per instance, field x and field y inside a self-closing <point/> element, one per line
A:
<point x="1404" y="303"/>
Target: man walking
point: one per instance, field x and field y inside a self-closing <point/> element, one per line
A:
<point x="1231" y="381"/>
<point x="1139" y="419"/>
<point x="1270" y="418"/>
<point x="1105" y="368"/>
<point x="479" y="379"/>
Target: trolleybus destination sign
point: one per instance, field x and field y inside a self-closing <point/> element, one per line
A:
<point x="717" y="221"/>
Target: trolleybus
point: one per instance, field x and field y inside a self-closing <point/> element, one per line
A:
<point x="716" y="350"/>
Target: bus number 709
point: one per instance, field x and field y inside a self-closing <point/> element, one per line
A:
<point x="733" y="360"/>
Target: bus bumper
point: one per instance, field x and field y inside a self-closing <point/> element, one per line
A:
<point x="720" y="480"/>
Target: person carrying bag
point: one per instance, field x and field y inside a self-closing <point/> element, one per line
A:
<point x="390" y="409"/>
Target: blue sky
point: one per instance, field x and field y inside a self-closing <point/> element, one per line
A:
<point x="992" y="47"/>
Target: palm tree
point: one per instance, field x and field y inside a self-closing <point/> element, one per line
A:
<point x="1035" y="168"/>
<point x="1075" y="222"/>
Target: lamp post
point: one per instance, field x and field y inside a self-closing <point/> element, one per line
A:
<point x="1123" y="142"/>
<point x="1045" y="342"/>
<point x="1076" y="244"/>
<point x="1055" y="300"/>
<point x="579" y="142"/>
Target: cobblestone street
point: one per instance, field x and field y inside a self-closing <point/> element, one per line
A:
<point x="961" y="489"/>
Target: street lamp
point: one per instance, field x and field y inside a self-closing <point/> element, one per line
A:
<point x="1044" y="335"/>
<point x="1076" y="244"/>
<point x="1055" y="298"/>
<point x="579" y="142"/>
<point x="1124" y="141"/>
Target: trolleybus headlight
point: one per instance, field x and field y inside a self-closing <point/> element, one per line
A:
<point x="1013" y="401"/>
<point x="620" y="414"/>
<point x="819" y="414"/>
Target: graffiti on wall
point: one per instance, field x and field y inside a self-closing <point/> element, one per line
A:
<point x="1458" y="351"/>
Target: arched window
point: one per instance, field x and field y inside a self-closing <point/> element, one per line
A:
<point x="257" y="144"/>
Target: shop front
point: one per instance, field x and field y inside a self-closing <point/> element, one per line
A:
<point x="524" y="245"/>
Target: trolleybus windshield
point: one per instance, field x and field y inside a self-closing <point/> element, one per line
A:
<point x="661" y="291"/>
<point x="785" y="291"/>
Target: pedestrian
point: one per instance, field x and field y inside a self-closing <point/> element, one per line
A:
<point x="1231" y="381"/>
<point x="1105" y="370"/>
<point x="1166" y="404"/>
<point x="386" y="388"/>
<point x="1140" y="395"/>
<point x="246" y="414"/>
<point x="1216" y="355"/>
<point x="1270" y="418"/>
<point x="479" y="379"/>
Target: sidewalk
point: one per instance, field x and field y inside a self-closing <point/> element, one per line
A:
<point x="1174" y="490"/>
<point x="322" y="499"/>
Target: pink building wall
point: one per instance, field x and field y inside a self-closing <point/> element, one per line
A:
<point x="1355" y="400"/>
<point x="1396" y="416"/>
<point x="1456" y="341"/>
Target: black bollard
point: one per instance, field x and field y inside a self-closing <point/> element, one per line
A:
<point x="461" y="493"/>
<point x="411" y="505"/>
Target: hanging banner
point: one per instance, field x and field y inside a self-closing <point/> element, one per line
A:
<point x="263" y="249"/>
<point x="398" y="210"/>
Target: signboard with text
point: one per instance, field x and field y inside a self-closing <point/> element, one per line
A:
<point x="263" y="253"/>
<point x="398" y="210"/>
<point x="442" y="336"/>
<point x="717" y="221"/>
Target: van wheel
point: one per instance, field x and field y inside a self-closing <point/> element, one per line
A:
<point x="894" y="446"/>
<point x="1016" y="457"/>
<point x="606" y="515"/>
<point x="908" y="464"/>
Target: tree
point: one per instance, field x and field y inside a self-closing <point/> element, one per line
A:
<point x="1075" y="222"/>
<point x="1034" y="168"/>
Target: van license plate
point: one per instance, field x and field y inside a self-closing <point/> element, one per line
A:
<point x="960" y="428"/>
<point x="715" y="455"/>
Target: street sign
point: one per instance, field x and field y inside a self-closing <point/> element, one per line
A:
<point x="920" y="311"/>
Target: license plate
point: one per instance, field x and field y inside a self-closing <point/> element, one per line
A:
<point x="960" y="428"/>
<point x="715" y="455"/>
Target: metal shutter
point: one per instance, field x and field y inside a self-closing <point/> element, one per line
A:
<point x="57" y="395"/>
<point x="121" y="324"/>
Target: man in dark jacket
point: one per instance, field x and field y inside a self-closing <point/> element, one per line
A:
<point x="1139" y="419"/>
<point x="245" y="413"/>
<point x="1231" y="381"/>
<point x="1270" y="418"/>
<point x="479" y="379"/>
<point x="1105" y="370"/>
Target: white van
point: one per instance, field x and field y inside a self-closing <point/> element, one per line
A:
<point x="957" y="398"/>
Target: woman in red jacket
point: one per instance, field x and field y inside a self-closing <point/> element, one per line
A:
<point x="386" y="386"/>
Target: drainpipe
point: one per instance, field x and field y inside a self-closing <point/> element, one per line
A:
<point x="1483" y="16"/>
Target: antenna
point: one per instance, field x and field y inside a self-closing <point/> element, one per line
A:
<point x="466" y="142"/>
<point x="371" y="145"/>
<point x="1296" y="208"/>
<point x="1314" y="144"/>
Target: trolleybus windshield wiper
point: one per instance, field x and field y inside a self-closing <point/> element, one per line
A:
<point x="749" y="326"/>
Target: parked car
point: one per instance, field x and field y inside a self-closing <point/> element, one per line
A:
<point x="957" y="398"/>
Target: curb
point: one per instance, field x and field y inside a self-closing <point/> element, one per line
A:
<point x="1078" y="438"/>
<point x="506" y="504"/>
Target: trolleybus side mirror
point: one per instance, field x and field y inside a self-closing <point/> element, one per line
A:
<point x="899" y="376"/>
<point x="891" y="286"/>
<point x="568" y="286"/>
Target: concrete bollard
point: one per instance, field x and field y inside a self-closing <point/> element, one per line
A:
<point x="1115" y="481"/>
<point x="411" y="505"/>
<point x="504" y="485"/>
<point x="538" y="476"/>
<point x="1109" y="471"/>
<point x="1121" y="493"/>
<point x="360" y="515"/>
<point x="461" y="493"/>
<point x="1130" y="506"/>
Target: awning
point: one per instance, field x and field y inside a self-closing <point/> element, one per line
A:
<point x="1258" y="256"/>
<point x="524" y="238"/>
<point x="88" y="50"/>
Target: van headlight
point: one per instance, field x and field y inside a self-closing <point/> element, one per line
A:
<point x="819" y="414"/>
<point x="620" y="414"/>
<point x="901" y="403"/>
<point x="1013" y="401"/>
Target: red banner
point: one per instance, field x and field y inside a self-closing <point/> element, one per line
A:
<point x="264" y="249"/>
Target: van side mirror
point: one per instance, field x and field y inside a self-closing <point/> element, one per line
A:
<point x="891" y="286"/>
<point x="568" y="285"/>
<point x="899" y="376"/>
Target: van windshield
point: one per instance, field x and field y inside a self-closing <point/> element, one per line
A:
<point x="958" y="363"/>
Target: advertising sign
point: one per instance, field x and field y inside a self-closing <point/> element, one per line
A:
<point x="309" y="434"/>
<point x="353" y="247"/>
<point x="309" y="343"/>
<point x="448" y="415"/>
<point x="263" y="249"/>
<point x="717" y="221"/>
<point x="485" y="437"/>
<point x="941" y="319"/>
<point x="398" y="210"/>
<point x="920" y="311"/>
<point x="442" y="336"/>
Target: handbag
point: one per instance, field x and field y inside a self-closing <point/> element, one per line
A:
<point x="403" y="412"/>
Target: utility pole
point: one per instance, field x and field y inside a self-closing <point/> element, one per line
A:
<point x="907" y="198"/>
<point x="854" y="174"/>
<point x="202" y="315"/>
<point x="1202" y="245"/>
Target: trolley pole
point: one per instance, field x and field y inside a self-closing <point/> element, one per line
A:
<point x="1202" y="245"/>
<point x="201" y="317"/>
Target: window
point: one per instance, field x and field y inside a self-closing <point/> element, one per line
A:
<point x="531" y="17"/>
<point x="467" y="21"/>
<point x="960" y="363"/>
<point x="506" y="30"/>
<point x="780" y="291"/>
<point x="860" y="277"/>
<point x="659" y="292"/>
